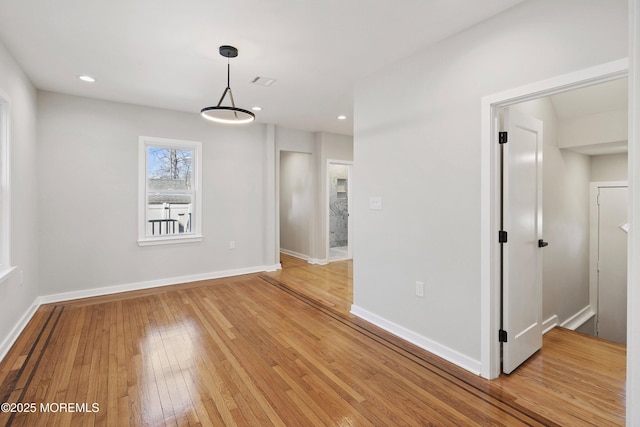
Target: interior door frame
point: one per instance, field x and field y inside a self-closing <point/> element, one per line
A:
<point x="349" y="205"/>
<point x="594" y="238"/>
<point x="490" y="192"/>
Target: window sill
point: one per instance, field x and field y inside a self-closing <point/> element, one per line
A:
<point x="5" y="272"/>
<point x="169" y="240"/>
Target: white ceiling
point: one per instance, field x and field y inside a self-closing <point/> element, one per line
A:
<point x="164" y="53"/>
<point x="590" y="100"/>
<point x="609" y="96"/>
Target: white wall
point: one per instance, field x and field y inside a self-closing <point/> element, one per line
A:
<point x="294" y="140"/>
<point x="298" y="141"/>
<point x="321" y="146"/>
<point x="17" y="297"/>
<point x="423" y="158"/>
<point x="565" y="219"/>
<point x="633" y="298"/>
<point x="87" y="163"/>
<point x="296" y="203"/>
<point x="609" y="167"/>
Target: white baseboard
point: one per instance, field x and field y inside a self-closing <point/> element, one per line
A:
<point x="425" y="343"/>
<point x="305" y="257"/>
<point x="578" y="319"/>
<point x="5" y="346"/>
<point x="108" y="290"/>
<point x="273" y="267"/>
<point x="573" y="322"/>
<point x="550" y="323"/>
<point x="295" y="254"/>
<point x="86" y="293"/>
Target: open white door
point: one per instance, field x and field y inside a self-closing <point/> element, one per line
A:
<point x="521" y="332"/>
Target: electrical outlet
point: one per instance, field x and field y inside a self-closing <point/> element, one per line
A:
<point x="420" y="289"/>
<point x="232" y="244"/>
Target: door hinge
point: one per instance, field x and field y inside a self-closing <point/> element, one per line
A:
<point x="502" y="236"/>
<point x="502" y="137"/>
<point x="502" y="335"/>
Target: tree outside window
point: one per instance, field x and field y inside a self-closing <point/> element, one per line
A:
<point x="170" y="189"/>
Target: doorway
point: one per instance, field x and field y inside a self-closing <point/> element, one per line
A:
<point x="491" y="253"/>
<point x="296" y="203"/>
<point x="584" y="130"/>
<point x="339" y="226"/>
<point x="608" y="263"/>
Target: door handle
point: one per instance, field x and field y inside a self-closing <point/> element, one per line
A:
<point x="542" y="243"/>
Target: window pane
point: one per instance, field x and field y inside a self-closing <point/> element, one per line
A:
<point x="169" y="214"/>
<point x="169" y="191"/>
<point x="169" y="169"/>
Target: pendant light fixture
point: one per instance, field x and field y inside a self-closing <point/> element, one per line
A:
<point x="227" y="114"/>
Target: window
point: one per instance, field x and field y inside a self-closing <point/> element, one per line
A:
<point x="5" y="199"/>
<point x="169" y="191"/>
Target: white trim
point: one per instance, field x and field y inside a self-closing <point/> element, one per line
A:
<point x="5" y="183"/>
<point x="108" y="290"/>
<point x="633" y="267"/>
<point x="271" y="254"/>
<point x="12" y="337"/>
<point x="594" y="237"/>
<point x="295" y="254"/>
<point x="425" y="343"/>
<point x="550" y="323"/>
<point x="579" y="319"/>
<point x="273" y="267"/>
<point x="196" y="234"/>
<point x="305" y="257"/>
<point x="573" y="322"/>
<point x="489" y="250"/>
<point x="150" y="241"/>
<point x="5" y="272"/>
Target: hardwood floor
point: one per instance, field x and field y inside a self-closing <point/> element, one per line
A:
<point x="330" y="284"/>
<point x="575" y="379"/>
<point x="252" y="350"/>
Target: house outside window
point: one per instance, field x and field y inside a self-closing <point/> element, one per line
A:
<point x="169" y="191"/>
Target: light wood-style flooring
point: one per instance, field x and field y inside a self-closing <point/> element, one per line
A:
<point x="575" y="379"/>
<point x="331" y="284"/>
<point x="256" y="351"/>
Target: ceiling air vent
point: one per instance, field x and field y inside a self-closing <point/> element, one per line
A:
<point x="263" y="81"/>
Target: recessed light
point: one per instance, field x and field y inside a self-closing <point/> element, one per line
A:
<point x="86" y="78"/>
<point x="256" y="108"/>
<point x="342" y="117"/>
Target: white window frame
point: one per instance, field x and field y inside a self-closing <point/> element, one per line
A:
<point x="144" y="142"/>
<point x="5" y="190"/>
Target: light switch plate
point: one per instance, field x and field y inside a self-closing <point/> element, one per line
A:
<point x="375" y="203"/>
<point x="420" y="289"/>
